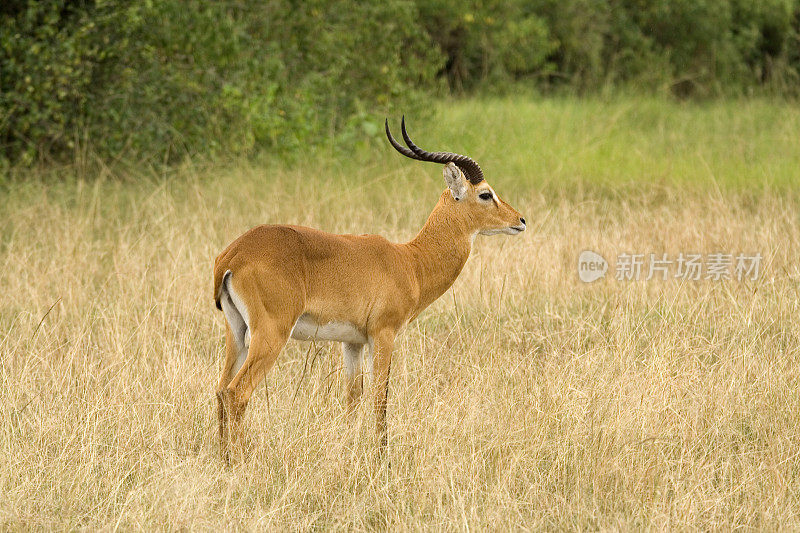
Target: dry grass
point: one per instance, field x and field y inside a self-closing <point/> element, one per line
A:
<point x="522" y="399"/>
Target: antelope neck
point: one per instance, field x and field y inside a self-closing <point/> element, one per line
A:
<point x="439" y="251"/>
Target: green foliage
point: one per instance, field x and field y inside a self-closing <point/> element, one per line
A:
<point x="351" y="63"/>
<point x="159" y="79"/>
<point x="155" y="80"/>
<point x="490" y="41"/>
<point x="711" y="45"/>
<point x="46" y="64"/>
<point x="694" y="47"/>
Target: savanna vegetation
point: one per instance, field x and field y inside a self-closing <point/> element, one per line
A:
<point x="523" y="399"/>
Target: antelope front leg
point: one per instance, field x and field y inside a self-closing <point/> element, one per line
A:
<point x="355" y="375"/>
<point x="382" y="360"/>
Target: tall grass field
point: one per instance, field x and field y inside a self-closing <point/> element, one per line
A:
<point x="523" y="399"/>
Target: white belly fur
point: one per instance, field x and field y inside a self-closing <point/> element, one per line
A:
<point x="306" y="329"/>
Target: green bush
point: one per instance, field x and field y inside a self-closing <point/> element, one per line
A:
<point x="154" y="80"/>
<point x="46" y="65"/>
<point x="159" y="79"/>
<point x="488" y="42"/>
<point x="693" y="47"/>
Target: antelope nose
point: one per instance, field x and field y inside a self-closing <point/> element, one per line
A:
<point x="522" y="220"/>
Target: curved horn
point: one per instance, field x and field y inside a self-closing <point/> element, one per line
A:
<point x="399" y="147"/>
<point x="472" y="171"/>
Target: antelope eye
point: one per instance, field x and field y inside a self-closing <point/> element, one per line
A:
<point x="485" y="196"/>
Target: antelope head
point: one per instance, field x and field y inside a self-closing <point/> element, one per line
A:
<point x="472" y="199"/>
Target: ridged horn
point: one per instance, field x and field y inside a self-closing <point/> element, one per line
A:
<point x="472" y="171"/>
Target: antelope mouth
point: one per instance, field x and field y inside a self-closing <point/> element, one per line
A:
<point x="508" y="230"/>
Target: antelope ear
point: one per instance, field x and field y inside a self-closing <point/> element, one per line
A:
<point x="455" y="181"/>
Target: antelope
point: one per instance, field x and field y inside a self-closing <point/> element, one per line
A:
<point x="280" y="281"/>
